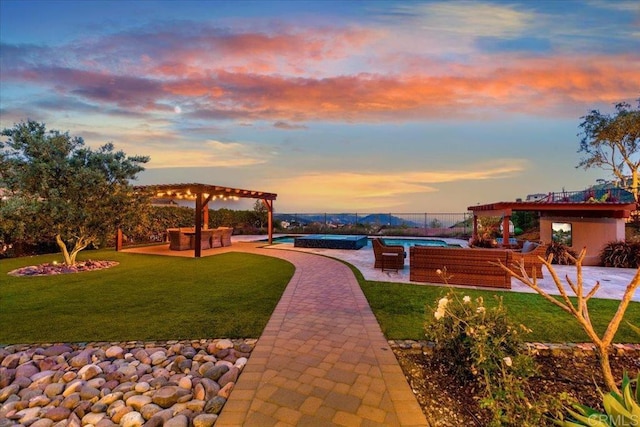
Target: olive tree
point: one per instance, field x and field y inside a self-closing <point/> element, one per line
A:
<point x="612" y="142"/>
<point x="59" y="189"/>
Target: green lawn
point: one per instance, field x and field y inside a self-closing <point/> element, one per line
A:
<point x="145" y="297"/>
<point x="400" y="310"/>
<point x="232" y="295"/>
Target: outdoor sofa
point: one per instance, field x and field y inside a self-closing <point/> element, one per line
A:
<point x="461" y="266"/>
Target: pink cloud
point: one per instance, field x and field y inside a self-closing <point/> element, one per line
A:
<point x="528" y="86"/>
<point x="287" y="77"/>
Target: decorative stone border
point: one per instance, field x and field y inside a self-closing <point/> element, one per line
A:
<point x="178" y="382"/>
<point x="543" y="349"/>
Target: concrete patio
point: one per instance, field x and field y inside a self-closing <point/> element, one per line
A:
<point x="613" y="281"/>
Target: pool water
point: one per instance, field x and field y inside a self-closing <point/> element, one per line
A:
<point x="406" y="242"/>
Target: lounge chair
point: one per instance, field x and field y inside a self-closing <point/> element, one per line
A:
<point x="388" y="256"/>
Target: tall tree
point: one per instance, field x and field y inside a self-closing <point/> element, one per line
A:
<point x="612" y="142"/>
<point x="74" y="195"/>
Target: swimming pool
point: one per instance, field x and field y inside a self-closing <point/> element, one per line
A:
<point x="406" y="242"/>
<point x="331" y="241"/>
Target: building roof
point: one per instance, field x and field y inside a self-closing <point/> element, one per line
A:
<point x="600" y="203"/>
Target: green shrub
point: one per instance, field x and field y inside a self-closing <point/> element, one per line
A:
<point x="562" y="254"/>
<point x="620" y="410"/>
<point x="621" y="254"/>
<point x="476" y="343"/>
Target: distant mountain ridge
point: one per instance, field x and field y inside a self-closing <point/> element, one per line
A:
<point x="346" y="219"/>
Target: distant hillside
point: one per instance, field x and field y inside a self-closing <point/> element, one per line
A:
<point x="346" y="219"/>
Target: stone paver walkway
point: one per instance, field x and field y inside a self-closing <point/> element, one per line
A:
<point x="322" y="359"/>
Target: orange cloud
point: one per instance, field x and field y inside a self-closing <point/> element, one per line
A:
<point x="517" y="86"/>
<point x="351" y="190"/>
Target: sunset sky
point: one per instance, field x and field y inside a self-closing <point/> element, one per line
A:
<point x="361" y="106"/>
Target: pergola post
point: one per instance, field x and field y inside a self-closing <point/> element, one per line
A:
<point x="269" y="206"/>
<point x="205" y="211"/>
<point x="505" y="229"/>
<point x="118" y="239"/>
<point x="198" y="235"/>
<point x="474" y="236"/>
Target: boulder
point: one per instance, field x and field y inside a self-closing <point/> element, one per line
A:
<point x="132" y="419"/>
<point x="204" y="420"/>
<point x="26" y="370"/>
<point x="57" y="414"/>
<point x="215" y="405"/>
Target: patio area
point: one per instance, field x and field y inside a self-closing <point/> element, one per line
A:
<point x="613" y="281"/>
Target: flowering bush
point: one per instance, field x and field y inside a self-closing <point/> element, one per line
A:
<point x="479" y="343"/>
<point x="471" y="338"/>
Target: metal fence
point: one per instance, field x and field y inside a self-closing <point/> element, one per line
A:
<point x="603" y="195"/>
<point x="397" y="224"/>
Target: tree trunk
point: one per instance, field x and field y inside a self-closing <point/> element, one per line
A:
<point x="63" y="249"/>
<point x="70" y="257"/>
<point x="81" y="243"/>
<point x="606" y="369"/>
<point x="634" y="184"/>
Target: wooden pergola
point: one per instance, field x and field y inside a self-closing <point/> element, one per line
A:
<point x="202" y="194"/>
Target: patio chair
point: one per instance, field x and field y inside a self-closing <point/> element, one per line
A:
<point x="388" y="256"/>
<point x="226" y="235"/>
<point x="216" y="238"/>
<point x="178" y="241"/>
<point x="529" y="255"/>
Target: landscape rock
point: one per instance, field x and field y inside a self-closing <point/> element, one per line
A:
<point x="57" y="414"/>
<point x="132" y="419"/>
<point x="204" y="420"/>
<point x="26" y="370"/>
<point x="216" y="372"/>
<point x="177" y="421"/>
<point x="114" y="351"/>
<point x="89" y="371"/>
<point x="42" y="422"/>
<point x="168" y="396"/>
<point x="215" y="405"/>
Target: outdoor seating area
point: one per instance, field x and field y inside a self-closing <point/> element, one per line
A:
<point x="183" y="238"/>
<point x="463" y="266"/>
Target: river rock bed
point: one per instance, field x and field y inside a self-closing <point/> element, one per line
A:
<point x="172" y="383"/>
<point x="49" y="269"/>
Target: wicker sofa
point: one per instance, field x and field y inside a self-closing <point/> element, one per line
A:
<point x="464" y="266"/>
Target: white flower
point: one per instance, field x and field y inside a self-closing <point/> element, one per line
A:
<point x="439" y="272"/>
<point x="443" y="302"/>
<point x="439" y="314"/>
<point x="466" y="299"/>
<point x="480" y="309"/>
<point x="508" y="361"/>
